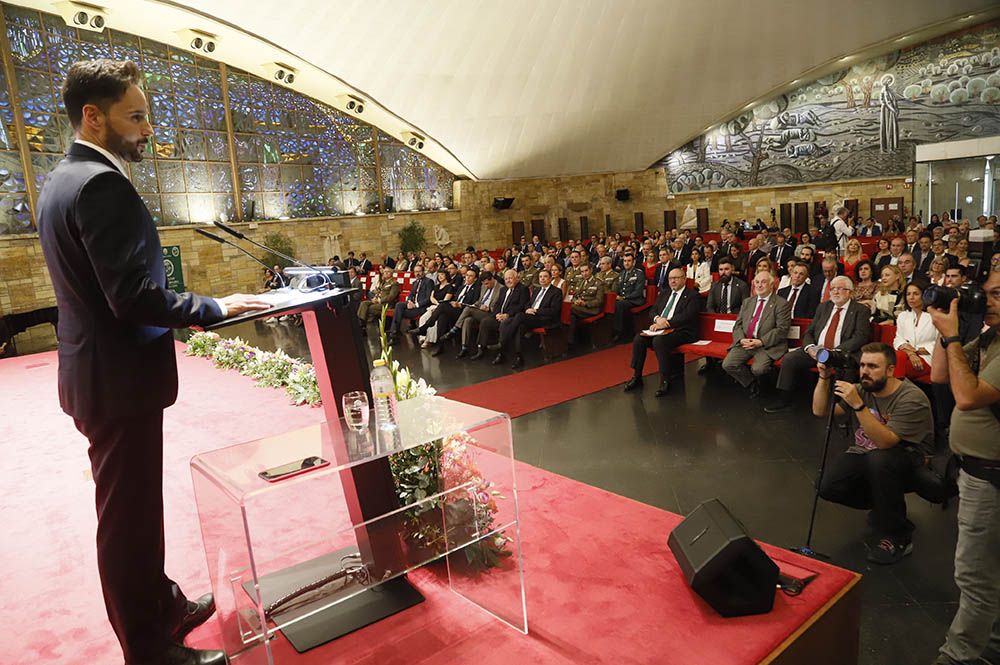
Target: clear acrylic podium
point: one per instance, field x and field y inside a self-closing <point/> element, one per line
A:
<point x="285" y="556"/>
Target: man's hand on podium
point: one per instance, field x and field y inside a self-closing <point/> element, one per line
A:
<point x="240" y="303"/>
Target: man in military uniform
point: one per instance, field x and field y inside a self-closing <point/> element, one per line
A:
<point x="572" y="276"/>
<point x="607" y="275"/>
<point x="588" y="299"/>
<point x="386" y="293"/>
<point x="529" y="273"/>
<point x="630" y="292"/>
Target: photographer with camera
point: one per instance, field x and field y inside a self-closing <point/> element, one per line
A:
<point x="893" y="434"/>
<point x="973" y="373"/>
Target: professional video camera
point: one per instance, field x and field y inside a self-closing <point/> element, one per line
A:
<point x="833" y="358"/>
<point x="971" y="298"/>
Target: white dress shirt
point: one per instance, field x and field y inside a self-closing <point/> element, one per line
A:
<point x="840" y="325"/>
<point x="115" y="160"/>
<point x="673" y="307"/>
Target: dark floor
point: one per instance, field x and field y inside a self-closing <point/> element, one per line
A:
<point x="705" y="440"/>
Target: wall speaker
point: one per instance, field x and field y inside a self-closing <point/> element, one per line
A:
<point x="722" y="563"/>
<point x="501" y="203"/>
<point x="622" y="194"/>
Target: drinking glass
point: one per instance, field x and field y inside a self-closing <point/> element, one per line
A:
<point x="356" y="410"/>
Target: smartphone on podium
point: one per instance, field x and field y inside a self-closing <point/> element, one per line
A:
<point x="277" y="473"/>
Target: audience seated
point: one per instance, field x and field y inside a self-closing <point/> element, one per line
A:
<point x="760" y="334"/>
<point x="893" y="435"/>
<point x="631" y="292"/>
<point x="444" y="316"/>
<point x="824" y="284"/>
<point x="470" y="317"/>
<point x="385" y="293"/>
<point x="864" y="282"/>
<point x="699" y="271"/>
<point x="887" y="299"/>
<point x="675" y="322"/>
<point x="606" y="274"/>
<point x="442" y="294"/>
<point x="727" y="294"/>
<point x="416" y="302"/>
<point x="588" y="299"/>
<point x="841" y="324"/>
<point x="801" y="297"/>
<point x="512" y="300"/>
<point x="915" y="337"/>
<point x="543" y="311"/>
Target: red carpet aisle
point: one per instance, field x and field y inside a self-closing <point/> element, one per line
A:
<point x="602" y="585"/>
<point x="554" y="383"/>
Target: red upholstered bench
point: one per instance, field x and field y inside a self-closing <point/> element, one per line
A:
<point x="717" y="329"/>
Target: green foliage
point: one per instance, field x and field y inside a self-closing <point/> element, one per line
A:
<point x="271" y="370"/>
<point x="283" y="244"/>
<point x="202" y="344"/>
<point x="412" y="237"/>
<point x="302" y="386"/>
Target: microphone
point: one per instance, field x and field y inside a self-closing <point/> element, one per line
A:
<point x="233" y="232"/>
<point x="212" y="236"/>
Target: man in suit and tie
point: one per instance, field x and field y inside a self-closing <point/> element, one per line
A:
<point x="922" y="255"/>
<point x="840" y="323"/>
<point x="896" y="248"/>
<point x="543" y="311"/>
<point x="908" y="266"/>
<point x="727" y="294"/>
<point x="415" y="304"/>
<point x="802" y="300"/>
<point x="754" y="255"/>
<point x="513" y="300"/>
<point x="760" y="333"/>
<point x="446" y="313"/>
<point x="675" y="319"/>
<point x="823" y="285"/>
<point x="680" y="252"/>
<point x="663" y="268"/>
<point x="364" y="265"/>
<point x="912" y="242"/>
<point x="117" y="369"/>
<point x="471" y="317"/>
<point x="781" y="253"/>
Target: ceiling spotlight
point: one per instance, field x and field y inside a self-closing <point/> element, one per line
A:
<point x="198" y="40"/>
<point x="352" y="103"/>
<point x="413" y="140"/>
<point x="83" y="15"/>
<point x="281" y="72"/>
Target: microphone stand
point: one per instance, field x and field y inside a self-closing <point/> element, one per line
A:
<point x="233" y="232"/>
<point x="807" y="550"/>
<point x="212" y="236"/>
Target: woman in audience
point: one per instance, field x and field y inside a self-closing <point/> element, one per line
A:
<point x="805" y="240"/>
<point x="864" y="284"/>
<point x="508" y="255"/>
<point x="699" y="271"/>
<point x="935" y="274"/>
<point x="887" y="295"/>
<point x="915" y="337"/>
<point x="557" y="278"/>
<point x="896" y="226"/>
<point x="649" y="265"/>
<point x="443" y="291"/>
<point x="883" y="249"/>
<point x="737" y="257"/>
<point x="853" y="256"/>
<point x="962" y="252"/>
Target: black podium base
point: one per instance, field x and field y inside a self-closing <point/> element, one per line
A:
<point x="346" y="616"/>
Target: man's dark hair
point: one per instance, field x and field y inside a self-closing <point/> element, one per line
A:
<point x="883" y="348"/>
<point x="725" y="259"/>
<point x="486" y="276"/>
<point x="99" y="82"/>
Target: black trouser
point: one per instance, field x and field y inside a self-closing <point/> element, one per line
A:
<point x="443" y="316"/>
<point x="663" y="346"/>
<point x="621" y="311"/>
<point x="401" y="312"/>
<point x="143" y="604"/>
<point x="795" y="365"/>
<point x="875" y="481"/>
<point x="513" y="328"/>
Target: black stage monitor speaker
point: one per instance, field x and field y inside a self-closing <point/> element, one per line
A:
<point x="722" y="563"/>
<point x="621" y="194"/>
<point x="501" y="203"/>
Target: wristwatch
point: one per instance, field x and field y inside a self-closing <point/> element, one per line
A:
<point x="860" y="408"/>
<point x="945" y="341"/>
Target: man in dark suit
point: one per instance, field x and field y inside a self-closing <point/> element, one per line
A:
<point x="781" y="253"/>
<point x="663" y="268"/>
<point x="117" y="369"/>
<point x="760" y="334"/>
<point x="755" y="254"/>
<point x="364" y="265"/>
<point x="680" y="252"/>
<point x="415" y="304"/>
<point x="802" y="299"/>
<point x="543" y="311"/>
<point x="675" y="316"/>
<point x="513" y="300"/>
<point x="446" y="314"/>
<point x="840" y="323"/>
<point x="726" y="295"/>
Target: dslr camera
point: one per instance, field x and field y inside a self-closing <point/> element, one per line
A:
<point x="833" y="358"/>
<point x="971" y="298"/>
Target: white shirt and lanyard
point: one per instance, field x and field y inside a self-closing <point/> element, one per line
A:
<point x="117" y="163"/>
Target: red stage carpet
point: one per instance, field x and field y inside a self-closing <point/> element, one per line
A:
<point x="602" y="587"/>
<point x="555" y="383"/>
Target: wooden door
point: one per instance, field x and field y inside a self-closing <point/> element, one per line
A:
<point x="563" y="229"/>
<point x="702" y="219"/>
<point x="852" y="206"/>
<point x="584" y="227"/>
<point x="607" y="225"/>
<point x="785" y="215"/>
<point x="884" y="209"/>
<point x="639" y="225"/>
<point x="801" y="218"/>
<point x="516" y="231"/>
<point x="669" y="220"/>
<point x="538" y="228"/>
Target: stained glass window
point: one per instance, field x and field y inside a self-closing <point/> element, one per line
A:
<point x="413" y="181"/>
<point x="15" y="213"/>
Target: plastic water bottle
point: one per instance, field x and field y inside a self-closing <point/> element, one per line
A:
<point x="384" y="393"/>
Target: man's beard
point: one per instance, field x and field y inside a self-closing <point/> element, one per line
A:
<point x="130" y="151"/>
<point x="872" y="385"/>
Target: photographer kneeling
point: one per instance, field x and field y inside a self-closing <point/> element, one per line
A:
<point x="973" y="373"/>
<point x="894" y="432"/>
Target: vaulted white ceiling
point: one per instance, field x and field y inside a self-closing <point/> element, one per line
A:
<point x="523" y="88"/>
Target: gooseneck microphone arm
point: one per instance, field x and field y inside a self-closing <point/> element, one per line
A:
<point x="233" y="232"/>
<point x="212" y="236"/>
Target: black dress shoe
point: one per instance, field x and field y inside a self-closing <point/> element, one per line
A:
<point x="178" y="654"/>
<point x="437" y="350"/>
<point x="778" y="407"/>
<point x="497" y="360"/>
<point x="480" y="352"/>
<point x="755" y="389"/>
<point x="633" y="383"/>
<point x="464" y="351"/>
<point x="448" y="335"/>
<point x="198" y="612"/>
<point x="415" y="331"/>
<point x="518" y="362"/>
<point x="663" y="389"/>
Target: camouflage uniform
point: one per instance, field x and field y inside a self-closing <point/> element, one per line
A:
<point x="386" y="293"/>
<point x="610" y="279"/>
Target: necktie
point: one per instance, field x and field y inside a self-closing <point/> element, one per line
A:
<point x="465" y="289"/>
<point x="826" y="291"/>
<point x="670" y="303"/>
<point x="505" y="296"/>
<point x="416" y="291"/>
<point x="663" y="274"/>
<point x="725" y="298"/>
<point x="830" y="338"/>
<point x="777" y="254"/>
<point x="538" y="298"/>
<point x="791" y="302"/>
<point x="677" y="255"/>
<point x="486" y="298"/>
<point x="752" y="328"/>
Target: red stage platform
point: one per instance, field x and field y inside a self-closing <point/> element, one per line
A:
<point x="602" y="585"/>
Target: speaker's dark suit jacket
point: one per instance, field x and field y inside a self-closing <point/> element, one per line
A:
<point x="516" y="303"/>
<point x="685" y="318"/>
<point x="116" y="355"/>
